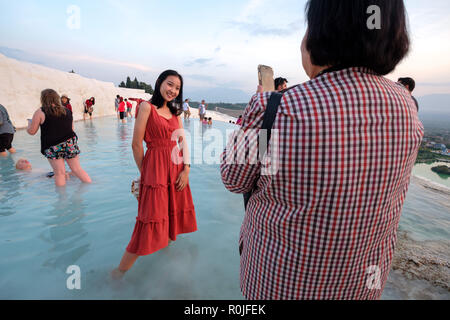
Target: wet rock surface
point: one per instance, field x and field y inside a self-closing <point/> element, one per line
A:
<point x="423" y="260"/>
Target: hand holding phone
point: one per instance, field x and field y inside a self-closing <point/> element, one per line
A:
<point x="265" y="78"/>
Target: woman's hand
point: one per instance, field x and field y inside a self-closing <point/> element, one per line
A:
<point x="259" y="89"/>
<point x="183" y="180"/>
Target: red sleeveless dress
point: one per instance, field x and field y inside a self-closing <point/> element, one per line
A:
<point x="163" y="212"/>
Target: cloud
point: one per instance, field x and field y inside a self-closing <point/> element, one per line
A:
<point x="92" y="59"/>
<point x="259" y="29"/>
<point x="200" y="77"/>
<point x="200" y="62"/>
<point x="249" y="8"/>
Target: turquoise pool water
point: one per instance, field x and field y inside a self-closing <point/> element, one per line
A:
<point x="44" y="230"/>
<point x="424" y="170"/>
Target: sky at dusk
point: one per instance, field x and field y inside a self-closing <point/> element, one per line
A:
<point x="215" y="45"/>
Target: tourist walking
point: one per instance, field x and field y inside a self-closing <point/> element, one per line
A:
<point x="129" y="108"/>
<point x="7" y="131"/>
<point x="122" y="108"/>
<point x="165" y="207"/>
<point x="326" y="199"/>
<point x="116" y="103"/>
<point x="138" y="102"/>
<point x="59" y="142"/>
<point x="186" y="109"/>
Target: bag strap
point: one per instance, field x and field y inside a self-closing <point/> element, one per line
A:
<point x="269" y="118"/>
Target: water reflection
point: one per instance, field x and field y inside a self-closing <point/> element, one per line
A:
<point x="90" y="133"/>
<point x="66" y="231"/>
<point x="10" y="186"/>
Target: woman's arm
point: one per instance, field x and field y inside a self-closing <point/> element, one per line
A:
<point x="183" y="177"/>
<point x="139" y="133"/>
<point x="38" y="119"/>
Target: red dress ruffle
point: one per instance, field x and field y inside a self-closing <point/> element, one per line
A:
<point x="163" y="212"/>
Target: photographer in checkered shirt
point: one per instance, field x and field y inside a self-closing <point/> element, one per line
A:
<point x="324" y="226"/>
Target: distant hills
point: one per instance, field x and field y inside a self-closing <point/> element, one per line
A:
<point x="435" y="104"/>
<point x="217" y="94"/>
<point x="434" y="110"/>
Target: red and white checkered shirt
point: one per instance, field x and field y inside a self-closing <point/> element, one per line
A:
<point x="324" y="226"/>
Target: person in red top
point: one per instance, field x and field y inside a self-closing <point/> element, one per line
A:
<point x="138" y="102"/>
<point x="239" y="121"/>
<point x="89" y="107"/>
<point x="122" y="108"/>
<point x="165" y="207"/>
<point x="129" y="107"/>
<point x="65" y="101"/>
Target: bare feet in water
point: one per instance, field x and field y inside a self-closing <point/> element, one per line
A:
<point x="116" y="274"/>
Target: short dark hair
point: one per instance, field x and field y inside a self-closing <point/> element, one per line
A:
<point x="158" y="100"/>
<point x="279" y="81"/>
<point x="408" y="82"/>
<point x="338" y="34"/>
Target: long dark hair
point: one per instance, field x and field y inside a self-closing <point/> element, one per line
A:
<point x="158" y="100"/>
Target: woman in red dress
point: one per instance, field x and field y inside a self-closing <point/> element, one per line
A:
<point x="165" y="207"/>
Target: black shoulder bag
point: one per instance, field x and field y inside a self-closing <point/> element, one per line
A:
<point x="269" y="119"/>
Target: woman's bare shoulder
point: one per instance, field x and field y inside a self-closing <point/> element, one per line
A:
<point x="145" y="106"/>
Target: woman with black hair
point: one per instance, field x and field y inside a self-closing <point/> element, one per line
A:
<point x="324" y="225"/>
<point x="165" y="207"/>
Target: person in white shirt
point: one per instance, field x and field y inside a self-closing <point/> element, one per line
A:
<point x="202" y="110"/>
<point x="186" y="109"/>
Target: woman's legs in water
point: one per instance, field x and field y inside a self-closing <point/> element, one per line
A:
<point x="126" y="263"/>
<point x="75" y="166"/>
<point x="59" y="168"/>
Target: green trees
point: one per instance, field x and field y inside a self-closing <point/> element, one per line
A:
<point x="135" y="84"/>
